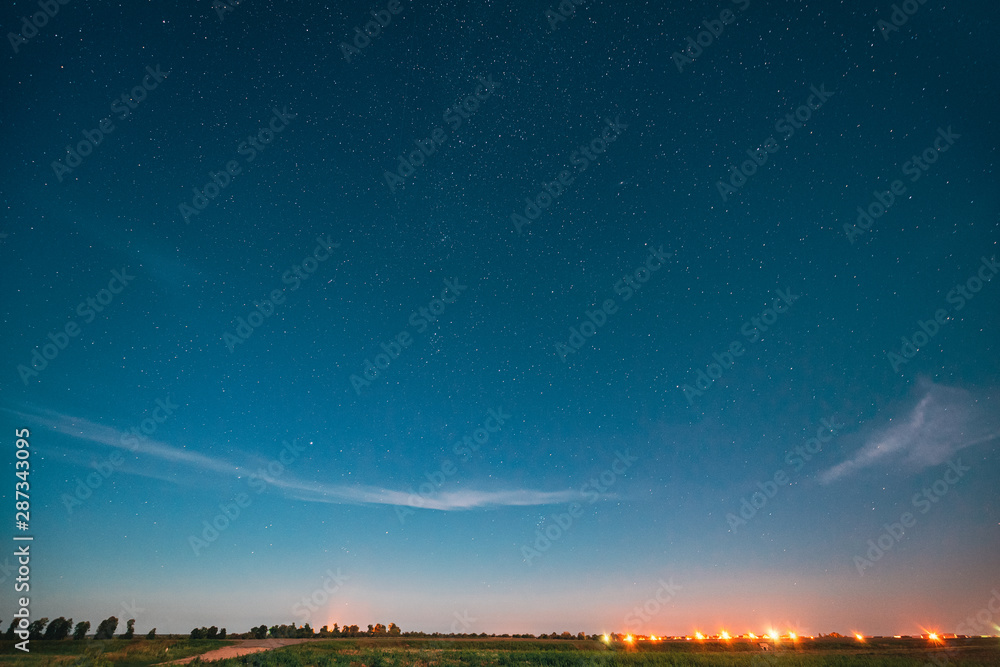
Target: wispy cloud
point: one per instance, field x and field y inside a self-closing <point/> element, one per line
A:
<point x="99" y="434"/>
<point x="939" y="422"/>
<point x="86" y="430"/>
<point x="447" y="500"/>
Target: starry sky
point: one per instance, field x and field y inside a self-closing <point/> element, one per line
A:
<point x="502" y="317"/>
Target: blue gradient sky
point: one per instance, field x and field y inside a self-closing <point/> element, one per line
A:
<point x="349" y="501"/>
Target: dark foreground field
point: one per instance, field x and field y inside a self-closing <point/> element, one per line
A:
<point x="400" y="652"/>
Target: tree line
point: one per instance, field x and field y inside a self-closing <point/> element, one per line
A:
<point x="60" y="628"/>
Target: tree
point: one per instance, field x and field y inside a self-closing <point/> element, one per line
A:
<point x="10" y="631"/>
<point x="222" y="633"/>
<point x="198" y="633"/>
<point x="35" y="629"/>
<point x="213" y="633"/>
<point x="260" y="632"/>
<point x="129" y="629"/>
<point x="58" y="629"/>
<point x="81" y="630"/>
<point x="394" y="630"/>
<point x="106" y="630"/>
<point x="151" y="634"/>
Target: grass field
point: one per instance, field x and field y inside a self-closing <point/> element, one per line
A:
<point x="400" y="652"/>
<point x="89" y="653"/>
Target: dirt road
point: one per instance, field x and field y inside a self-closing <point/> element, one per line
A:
<point x="241" y="647"/>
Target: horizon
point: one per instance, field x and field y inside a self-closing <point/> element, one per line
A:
<point x="510" y="318"/>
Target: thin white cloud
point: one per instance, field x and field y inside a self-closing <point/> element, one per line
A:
<point x="448" y="500"/>
<point x="92" y="432"/>
<point x="84" y="429"/>
<point x="942" y="421"/>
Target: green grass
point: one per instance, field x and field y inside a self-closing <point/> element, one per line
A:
<point x="407" y="652"/>
<point x="498" y="653"/>
<point x="90" y="653"/>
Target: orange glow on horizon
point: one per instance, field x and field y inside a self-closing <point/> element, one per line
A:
<point x="725" y="635"/>
<point x="860" y="637"/>
<point x="698" y="635"/>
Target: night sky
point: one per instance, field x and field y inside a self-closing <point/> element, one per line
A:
<point x="505" y="318"/>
